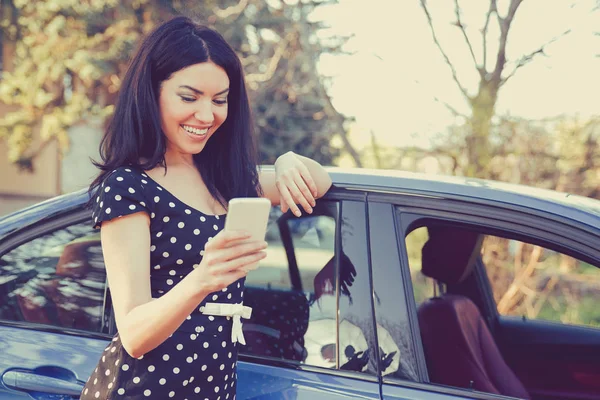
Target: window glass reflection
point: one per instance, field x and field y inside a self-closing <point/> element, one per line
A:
<point x="57" y="279"/>
<point x="292" y="293"/>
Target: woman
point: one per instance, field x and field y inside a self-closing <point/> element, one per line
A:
<point x="178" y="147"/>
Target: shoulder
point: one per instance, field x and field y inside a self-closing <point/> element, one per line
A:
<point x="123" y="176"/>
<point x="125" y="180"/>
<point x="121" y="192"/>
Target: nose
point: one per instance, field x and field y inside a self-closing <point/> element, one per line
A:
<point x="204" y="114"/>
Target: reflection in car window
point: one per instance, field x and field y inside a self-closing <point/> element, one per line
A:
<point x="57" y="279"/>
<point x="293" y="292"/>
<point x="357" y="341"/>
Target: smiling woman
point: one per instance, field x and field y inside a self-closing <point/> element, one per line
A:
<point x="179" y="147"/>
<point x="193" y="104"/>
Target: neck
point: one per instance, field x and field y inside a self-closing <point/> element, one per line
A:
<point x="177" y="159"/>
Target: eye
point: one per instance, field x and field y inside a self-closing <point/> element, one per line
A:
<point x="187" y="99"/>
<point x="220" y="102"/>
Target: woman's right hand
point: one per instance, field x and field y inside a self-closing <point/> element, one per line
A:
<point x="228" y="256"/>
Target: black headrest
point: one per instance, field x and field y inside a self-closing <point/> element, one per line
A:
<point x="450" y="253"/>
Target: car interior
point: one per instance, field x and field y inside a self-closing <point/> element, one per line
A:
<point x="468" y="344"/>
<point x="459" y="348"/>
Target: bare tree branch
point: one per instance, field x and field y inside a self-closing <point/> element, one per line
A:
<point x="464" y="32"/>
<point x="510" y="298"/>
<point x="229" y="11"/>
<point x="439" y="46"/>
<point x="493" y="9"/>
<point x="504" y="28"/>
<point x="453" y="110"/>
<point x="524" y="60"/>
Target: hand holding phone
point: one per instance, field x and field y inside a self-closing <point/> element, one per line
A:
<point x="250" y="214"/>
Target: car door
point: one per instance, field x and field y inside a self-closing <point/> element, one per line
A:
<point x="311" y="332"/>
<point x="54" y="313"/>
<point x="553" y="360"/>
<point x="403" y="370"/>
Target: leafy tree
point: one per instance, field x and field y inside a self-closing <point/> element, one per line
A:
<point x="68" y="57"/>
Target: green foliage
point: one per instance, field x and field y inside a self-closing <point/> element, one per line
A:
<point x="69" y="55"/>
<point x="61" y="55"/>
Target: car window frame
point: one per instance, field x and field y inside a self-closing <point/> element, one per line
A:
<point x="510" y="220"/>
<point x="337" y="195"/>
<point x="36" y="230"/>
<point x="522" y="230"/>
<point x="386" y="267"/>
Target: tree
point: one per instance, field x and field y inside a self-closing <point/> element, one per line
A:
<point x="491" y="79"/>
<point x="70" y="55"/>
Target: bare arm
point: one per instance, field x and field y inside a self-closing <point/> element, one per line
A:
<point x="318" y="184"/>
<point x="143" y="322"/>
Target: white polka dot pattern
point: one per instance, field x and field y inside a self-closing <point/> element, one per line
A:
<point x="197" y="351"/>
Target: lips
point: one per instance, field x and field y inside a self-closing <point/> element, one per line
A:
<point x="195" y="131"/>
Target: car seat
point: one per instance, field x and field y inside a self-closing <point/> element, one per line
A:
<point x="459" y="348"/>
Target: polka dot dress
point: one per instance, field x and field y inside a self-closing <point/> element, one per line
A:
<point x="198" y="361"/>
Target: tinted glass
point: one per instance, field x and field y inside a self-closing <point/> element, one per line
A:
<point x="57" y="279"/>
<point x="293" y="292"/>
<point x="357" y="342"/>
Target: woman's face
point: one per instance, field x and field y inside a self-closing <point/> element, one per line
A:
<point x="193" y="104"/>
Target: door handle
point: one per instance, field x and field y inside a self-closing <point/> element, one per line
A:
<point x="30" y="381"/>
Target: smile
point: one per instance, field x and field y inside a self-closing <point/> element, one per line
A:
<point x="195" y="131"/>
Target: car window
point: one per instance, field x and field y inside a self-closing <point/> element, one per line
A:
<point x="538" y="283"/>
<point x="57" y="279"/>
<point x="293" y="292"/>
<point x="358" y="340"/>
<point x="527" y="280"/>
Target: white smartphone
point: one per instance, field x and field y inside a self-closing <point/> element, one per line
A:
<point x="250" y="214"/>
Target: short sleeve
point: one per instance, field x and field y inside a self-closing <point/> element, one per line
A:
<point x="121" y="193"/>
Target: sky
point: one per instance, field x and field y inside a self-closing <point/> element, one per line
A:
<point x="390" y="81"/>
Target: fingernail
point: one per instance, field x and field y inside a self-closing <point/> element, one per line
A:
<point x="298" y="213"/>
<point x="310" y="210"/>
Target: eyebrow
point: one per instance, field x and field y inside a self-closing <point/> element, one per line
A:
<point x="200" y="91"/>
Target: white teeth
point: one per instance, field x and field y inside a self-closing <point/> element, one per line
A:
<point x="195" y="131"/>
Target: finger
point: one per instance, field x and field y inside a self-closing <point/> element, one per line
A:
<point x="292" y="187"/>
<point x="226" y="238"/>
<point x="309" y="200"/>
<point x="287" y="197"/>
<point x="310" y="182"/>
<point x="238" y="250"/>
<point x="239" y="263"/>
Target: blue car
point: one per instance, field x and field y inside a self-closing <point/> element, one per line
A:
<point x="397" y="286"/>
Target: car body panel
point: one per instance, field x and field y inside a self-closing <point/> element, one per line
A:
<point x="28" y="349"/>
<point x="265" y="382"/>
<point x="371" y="199"/>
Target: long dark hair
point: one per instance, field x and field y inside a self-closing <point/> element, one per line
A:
<point x="228" y="162"/>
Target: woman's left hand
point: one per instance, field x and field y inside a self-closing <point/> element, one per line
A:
<point x="295" y="184"/>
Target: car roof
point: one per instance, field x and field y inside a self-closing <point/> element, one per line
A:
<point x="577" y="208"/>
